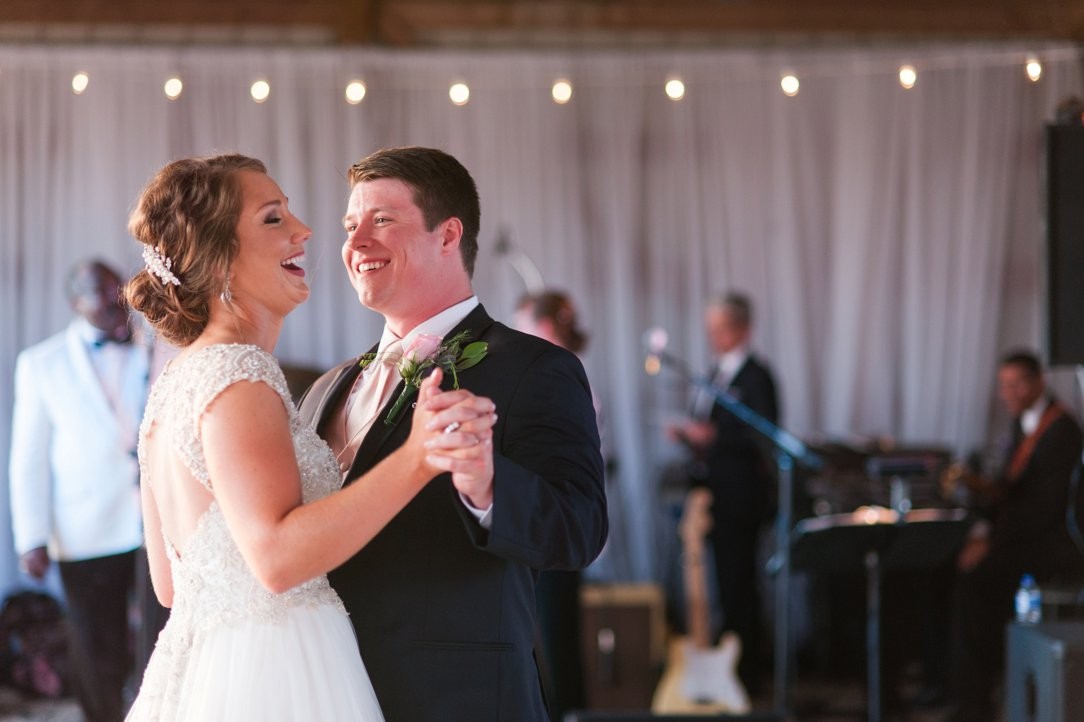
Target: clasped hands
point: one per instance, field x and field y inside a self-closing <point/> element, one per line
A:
<point x="455" y="432"/>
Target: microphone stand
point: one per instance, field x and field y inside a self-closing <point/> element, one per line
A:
<point x="789" y="450"/>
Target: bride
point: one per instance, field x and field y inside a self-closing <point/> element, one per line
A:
<point x="242" y="503"/>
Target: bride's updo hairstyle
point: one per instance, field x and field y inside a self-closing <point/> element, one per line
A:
<point x="186" y="218"/>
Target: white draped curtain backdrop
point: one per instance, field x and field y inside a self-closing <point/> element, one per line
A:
<point x="891" y="240"/>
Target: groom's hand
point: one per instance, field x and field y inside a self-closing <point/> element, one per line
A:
<point x="463" y="440"/>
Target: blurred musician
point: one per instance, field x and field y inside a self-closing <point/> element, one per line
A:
<point x="1023" y="530"/>
<point x="734" y="466"/>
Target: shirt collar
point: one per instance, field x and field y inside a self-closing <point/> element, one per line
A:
<point x="732" y="361"/>
<point x="438" y="325"/>
<point x="1029" y="420"/>
<point x="90" y="335"/>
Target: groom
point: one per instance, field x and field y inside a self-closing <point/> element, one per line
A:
<point x="443" y="599"/>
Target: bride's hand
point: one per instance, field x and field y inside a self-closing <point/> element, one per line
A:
<point x="452" y="430"/>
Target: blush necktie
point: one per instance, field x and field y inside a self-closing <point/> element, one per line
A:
<point x="372" y="391"/>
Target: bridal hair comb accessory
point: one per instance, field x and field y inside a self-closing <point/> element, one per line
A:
<point x="159" y="264"/>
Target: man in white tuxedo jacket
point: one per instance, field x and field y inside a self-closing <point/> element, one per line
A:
<point x="79" y="399"/>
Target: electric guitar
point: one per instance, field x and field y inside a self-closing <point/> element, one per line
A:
<point x="960" y="478"/>
<point x="698" y="677"/>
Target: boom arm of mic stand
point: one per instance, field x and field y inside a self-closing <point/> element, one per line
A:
<point x="782" y="439"/>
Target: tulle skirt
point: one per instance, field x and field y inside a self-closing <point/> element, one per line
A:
<point x="305" y="668"/>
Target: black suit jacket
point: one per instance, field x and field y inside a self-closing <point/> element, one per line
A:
<point x="738" y="468"/>
<point x="444" y="610"/>
<point x="1029" y="531"/>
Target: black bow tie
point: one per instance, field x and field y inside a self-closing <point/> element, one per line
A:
<point x="110" y="339"/>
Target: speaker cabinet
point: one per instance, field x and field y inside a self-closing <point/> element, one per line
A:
<point x="1045" y="673"/>
<point x="1065" y="244"/>
<point x="624" y="638"/>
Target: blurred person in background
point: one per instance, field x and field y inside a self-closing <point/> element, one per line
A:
<point x="731" y="461"/>
<point x="550" y="315"/>
<point x="79" y="398"/>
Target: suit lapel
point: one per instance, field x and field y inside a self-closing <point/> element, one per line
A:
<point x="735" y="380"/>
<point x="86" y="376"/>
<point x="379" y="432"/>
<point x="478" y="322"/>
<point x="137" y="380"/>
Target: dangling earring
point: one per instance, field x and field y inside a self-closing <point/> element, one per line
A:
<point x="226" y="295"/>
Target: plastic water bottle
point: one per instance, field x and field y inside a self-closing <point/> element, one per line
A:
<point x="1029" y="601"/>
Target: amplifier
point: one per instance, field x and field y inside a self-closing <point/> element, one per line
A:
<point x="1045" y="672"/>
<point x="624" y="644"/>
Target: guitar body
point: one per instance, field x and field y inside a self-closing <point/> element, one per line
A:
<point x="698" y="677"/>
<point x="701" y="681"/>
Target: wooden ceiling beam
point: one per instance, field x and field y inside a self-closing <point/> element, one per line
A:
<point x="425" y="22"/>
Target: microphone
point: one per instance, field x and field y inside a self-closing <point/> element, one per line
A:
<point x="655" y="341"/>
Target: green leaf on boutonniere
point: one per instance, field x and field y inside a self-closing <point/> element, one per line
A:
<point x="471" y="355"/>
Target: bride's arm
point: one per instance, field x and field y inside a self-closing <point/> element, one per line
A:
<point x="251" y="461"/>
<point x="161" y="575"/>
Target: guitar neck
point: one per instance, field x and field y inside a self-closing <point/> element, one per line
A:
<point x="698" y="615"/>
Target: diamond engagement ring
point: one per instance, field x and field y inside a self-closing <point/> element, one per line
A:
<point x="451" y="427"/>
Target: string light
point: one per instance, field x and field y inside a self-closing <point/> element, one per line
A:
<point x="459" y="93"/>
<point x="173" y="88"/>
<point x="675" y="89"/>
<point x="1034" y="69"/>
<point x="561" y="92"/>
<point x="260" y="91"/>
<point x="561" y="89"/>
<point x="80" y="82"/>
<point x="355" y="92"/>
<point x="908" y="76"/>
<point x="789" y="83"/>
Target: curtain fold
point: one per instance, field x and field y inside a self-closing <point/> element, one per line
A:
<point x="891" y="240"/>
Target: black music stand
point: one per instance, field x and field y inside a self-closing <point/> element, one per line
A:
<point x="878" y="540"/>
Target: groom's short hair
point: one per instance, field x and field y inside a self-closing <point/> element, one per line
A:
<point x="442" y="189"/>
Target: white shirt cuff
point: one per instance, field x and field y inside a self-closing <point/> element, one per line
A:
<point x="484" y="516"/>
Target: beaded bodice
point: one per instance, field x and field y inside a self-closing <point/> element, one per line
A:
<point x="212" y="584"/>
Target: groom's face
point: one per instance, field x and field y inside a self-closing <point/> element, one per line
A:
<point x="397" y="265"/>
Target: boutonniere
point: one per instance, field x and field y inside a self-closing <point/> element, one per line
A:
<point x="425" y="352"/>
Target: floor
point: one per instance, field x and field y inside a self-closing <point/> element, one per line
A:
<point x="811" y="701"/>
<point x="16" y="708"/>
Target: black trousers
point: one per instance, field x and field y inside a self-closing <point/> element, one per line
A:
<point x="97" y="592"/>
<point x="983" y="606"/>
<point x="735" y="548"/>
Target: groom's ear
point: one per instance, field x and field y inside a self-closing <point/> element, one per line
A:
<point x="451" y="233"/>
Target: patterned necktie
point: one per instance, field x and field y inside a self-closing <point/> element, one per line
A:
<point x="372" y="391"/>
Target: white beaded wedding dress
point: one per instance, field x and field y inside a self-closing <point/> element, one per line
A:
<point x="232" y="650"/>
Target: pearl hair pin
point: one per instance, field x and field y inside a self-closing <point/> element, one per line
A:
<point x="160" y="264"/>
